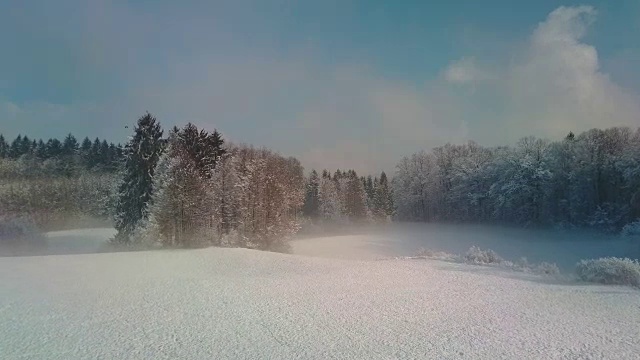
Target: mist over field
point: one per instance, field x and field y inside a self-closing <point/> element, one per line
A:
<point x="319" y="180"/>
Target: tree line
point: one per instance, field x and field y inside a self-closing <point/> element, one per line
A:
<point x="58" y="183"/>
<point x="347" y="198"/>
<point x="589" y="180"/>
<point x="25" y="157"/>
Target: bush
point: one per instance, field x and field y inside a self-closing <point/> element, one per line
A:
<point x="477" y="256"/>
<point x="631" y="230"/>
<point x="547" y="269"/>
<point x="610" y="270"/>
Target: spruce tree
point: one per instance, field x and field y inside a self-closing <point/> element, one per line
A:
<point x="384" y="196"/>
<point x="15" y="147"/>
<point x="54" y="148"/>
<point x="25" y="146"/>
<point x="4" y="147"/>
<point x="105" y="161"/>
<point x="85" y="152"/>
<point x="205" y="149"/>
<point x="70" y="146"/>
<point x="134" y="193"/>
<point x="311" y="201"/>
<point x="41" y="150"/>
<point x="94" y="158"/>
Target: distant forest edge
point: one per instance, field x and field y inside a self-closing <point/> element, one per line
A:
<point x="189" y="188"/>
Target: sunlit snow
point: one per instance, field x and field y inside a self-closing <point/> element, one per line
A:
<point x="245" y="304"/>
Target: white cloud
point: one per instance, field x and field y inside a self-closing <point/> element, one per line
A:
<point x="553" y="85"/>
<point x="558" y="85"/>
<point x="464" y="71"/>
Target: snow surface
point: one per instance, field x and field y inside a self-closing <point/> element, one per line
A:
<point x="245" y="304"/>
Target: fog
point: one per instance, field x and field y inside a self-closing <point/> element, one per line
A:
<point x="564" y="248"/>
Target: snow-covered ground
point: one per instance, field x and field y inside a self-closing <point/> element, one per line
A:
<point x="244" y="304"/>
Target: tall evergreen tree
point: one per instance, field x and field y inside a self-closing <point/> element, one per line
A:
<point x="205" y="149"/>
<point x="95" y="158"/>
<point x="4" y="147"/>
<point x="383" y="195"/>
<point x="15" y="149"/>
<point x="41" y="150"/>
<point x="134" y="193"/>
<point x="311" y="201"/>
<point x="85" y="152"/>
<point x="105" y="160"/>
<point x="69" y="146"/>
<point x="54" y="148"/>
<point x="25" y="146"/>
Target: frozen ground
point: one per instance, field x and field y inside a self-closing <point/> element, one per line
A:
<point x="244" y="304"/>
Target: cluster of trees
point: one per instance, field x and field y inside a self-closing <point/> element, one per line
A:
<point x="24" y="157"/>
<point x="345" y="197"/>
<point x="56" y="182"/>
<point x="589" y="180"/>
<point x="189" y="190"/>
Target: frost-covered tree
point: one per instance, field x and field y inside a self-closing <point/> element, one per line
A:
<point x="180" y="209"/>
<point x="311" y="200"/>
<point x="142" y="153"/>
<point x="224" y="192"/>
<point x="590" y="179"/>
<point x="330" y="207"/>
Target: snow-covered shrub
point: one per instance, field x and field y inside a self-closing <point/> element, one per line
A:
<point x="547" y="269"/>
<point x="522" y="263"/>
<point x="475" y="255"/>
<point x="631" y="230"/>
<point x="610" y="270"/>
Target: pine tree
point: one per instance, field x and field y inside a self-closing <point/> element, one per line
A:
<point x="330" y="207"/>
<point x="4" y="147"/>
<point x="311" y="201"/>
<point x="54" y="148"/>
<point x="94" y="158"/>
<point x="15" y="149"/>
<point x="70" y="146"/>
<point x="384" y="198"/>
<point x="25" y="146"/>
<point x="85" y="147"/>
<point x="205" y="149"/>
<point x="134" y="193"/>
<point x="105" y="160"/>
<point x="41" y="150"/>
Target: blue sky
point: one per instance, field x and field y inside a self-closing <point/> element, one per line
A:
<point x="335" y="83"/>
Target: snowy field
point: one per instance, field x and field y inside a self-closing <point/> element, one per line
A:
<point x="244" y="304"/>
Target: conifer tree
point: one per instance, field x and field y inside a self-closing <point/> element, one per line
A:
<point x="134" y="193"/>
<point x="311" y="201"/>
<point x="4" y="147"/>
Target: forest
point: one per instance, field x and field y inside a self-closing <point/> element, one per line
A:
<point x="590" y="180"/>
<point x="189" y="187"/>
